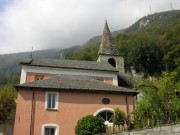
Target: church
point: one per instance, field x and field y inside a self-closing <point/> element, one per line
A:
<point x="54" y="94"/>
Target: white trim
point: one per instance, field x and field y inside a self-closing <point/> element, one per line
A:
<point x="46" y="100"/>
<point x="59" y="71"/>
<point x="23" y="76"/>
<point x="105" y="109"/>
<point x="50" y="126"/>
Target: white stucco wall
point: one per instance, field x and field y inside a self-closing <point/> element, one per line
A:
<point x="34" y="69"/>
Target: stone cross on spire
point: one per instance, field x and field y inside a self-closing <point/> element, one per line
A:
<point x="107" y="46"/>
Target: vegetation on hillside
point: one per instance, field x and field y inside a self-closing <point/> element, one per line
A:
<point x="150" y="49"/>
<point x="7" y="103"/>
<point x="8" y="96"/>
<point x="88" y="54"/>
<point x="159" y="102"/>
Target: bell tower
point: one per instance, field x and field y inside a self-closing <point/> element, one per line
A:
<point x="108" y="51"/>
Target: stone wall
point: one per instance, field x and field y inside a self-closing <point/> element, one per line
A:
<point x="164" y="130"/>
<point x="7" y="128"/>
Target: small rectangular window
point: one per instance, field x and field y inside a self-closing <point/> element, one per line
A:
<point x="51" y="100"/>
<point x="39" y="77"/>
<point x="49" y="131"/>
<point x="100" y="79"/>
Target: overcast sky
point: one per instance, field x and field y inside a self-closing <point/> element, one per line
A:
<point x="59" y="24"/>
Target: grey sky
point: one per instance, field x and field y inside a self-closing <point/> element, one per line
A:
<point x="59" y="24"/>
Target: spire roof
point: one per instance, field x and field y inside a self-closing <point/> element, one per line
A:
<point x="107" y="46"/>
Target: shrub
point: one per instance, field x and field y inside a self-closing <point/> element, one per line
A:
<point x="90" y="125"/>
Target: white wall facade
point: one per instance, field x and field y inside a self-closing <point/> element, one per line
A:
<point x="33" y="69"/>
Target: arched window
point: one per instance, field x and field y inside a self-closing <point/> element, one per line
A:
<point x="112" y="62"/>
<point x="105" y="114"/>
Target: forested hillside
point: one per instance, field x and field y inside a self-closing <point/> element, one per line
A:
<point x="9" y="63"/>
<point x="151" y="45"/>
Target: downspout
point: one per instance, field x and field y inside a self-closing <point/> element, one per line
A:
<point x="127" y="105"/>
<point x="32" y="114"/>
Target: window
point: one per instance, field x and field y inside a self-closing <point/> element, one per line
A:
<point x="112" y="62"/>
<point x="39" y="77"/>
<point x="100" y="79"/>
<point x="50" y="129"/>
<point x="51" y="100"/>
<point x="105" y="114"/>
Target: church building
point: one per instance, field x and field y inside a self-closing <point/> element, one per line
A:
<point x="54" y="94"/>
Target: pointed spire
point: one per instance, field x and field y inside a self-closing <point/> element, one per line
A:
<point x="107" y="46"/>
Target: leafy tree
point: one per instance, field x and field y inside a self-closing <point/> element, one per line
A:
<point x="90" y="125"/>
<point x="89" y="53"/>
<point x="160" y="102"/>
<point x="118" y="118"/>
<point x="172" y="58"/>
<point x="3" y="80"/>
<point x="13" y="79"/>
<point x="145" y="57"/>
<point x="7" y="103"/>
<point x="130" y="121"/>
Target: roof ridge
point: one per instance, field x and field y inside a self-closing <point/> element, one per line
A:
<point x="71" y="64"/>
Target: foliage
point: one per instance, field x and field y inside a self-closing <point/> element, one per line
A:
<point x="150" y="49"/>
<point x="162" y="32"/>
<point x="9" y="80"/>
<point x="118" y="117"/>
<point x="130" y="121"/>
<point x="160" y="101"/>
<point x="145" y="57"/>
<point x="88" y="54"/>
<point x="172" y="58"/>
<point x="7" y="103"/>
<point x="90" y="125"/>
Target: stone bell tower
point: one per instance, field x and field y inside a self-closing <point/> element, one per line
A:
<point x="108" y="51"/>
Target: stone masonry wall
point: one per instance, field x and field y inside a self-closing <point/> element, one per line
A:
<point x="164" y="130"/>
<point x="118" y="59"/>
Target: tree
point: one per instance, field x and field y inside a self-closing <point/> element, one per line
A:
<point x="90" y="125"/>
<point x="172" y="58"/>
<point x="3" y="80"/>
<point x="7" y="103"/>
<point x="145" y="56"/>
<point x="118" y="118"/>
<point x="130" y="121"/>
<point x="160" y="102"/>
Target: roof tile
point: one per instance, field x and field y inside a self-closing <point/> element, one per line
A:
<point x="72" y="64"/>
<point x="75" y="82"/>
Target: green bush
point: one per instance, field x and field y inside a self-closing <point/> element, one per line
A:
<point x="90" y="125"/>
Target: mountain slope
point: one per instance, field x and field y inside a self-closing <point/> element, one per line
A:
<point x="151" y="45"/>
<point x="97" y="39"/>
<point x="9" y="63"/>
<point x="160" y="28"/>
<point x="166" y="19"/>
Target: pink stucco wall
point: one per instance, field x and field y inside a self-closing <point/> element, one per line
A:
<point x="31" y="77"/>
<point x="71" y="107"/>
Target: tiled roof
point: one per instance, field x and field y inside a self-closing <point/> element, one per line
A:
<point x="72" y="64"/>
<point x="127" y="79"/>
<point x="107" y="47"/>
<point x="74" y="83"/>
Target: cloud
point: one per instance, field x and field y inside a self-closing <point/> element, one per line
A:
<point x="59" y="24"/>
